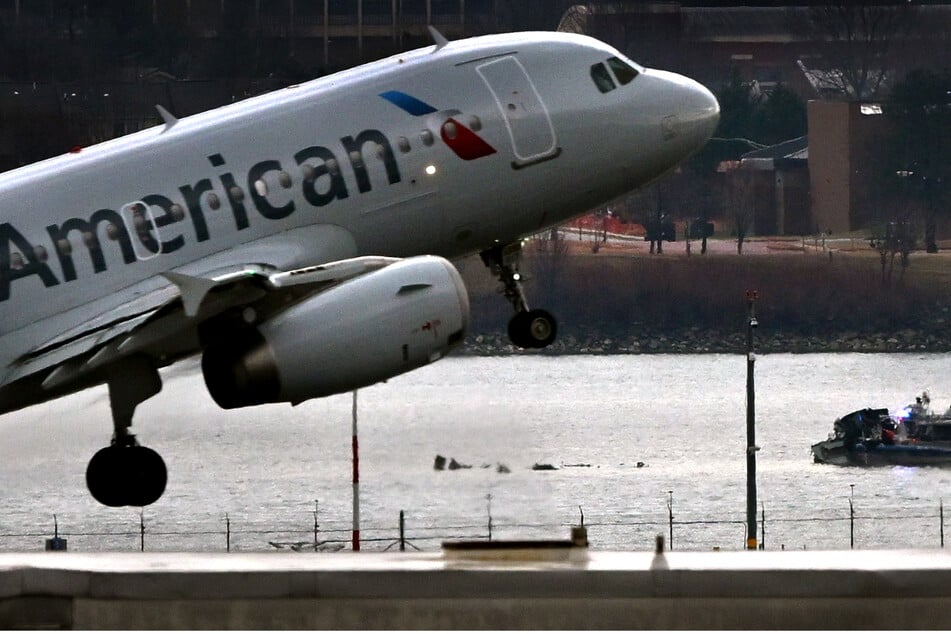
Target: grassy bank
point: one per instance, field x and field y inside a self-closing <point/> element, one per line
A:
<point x="818" y="299"/>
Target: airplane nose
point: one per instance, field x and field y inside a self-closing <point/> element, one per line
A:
<point x="707" y="110"/>
<point x="698" y="115"/>
<point x="694" y="113"/>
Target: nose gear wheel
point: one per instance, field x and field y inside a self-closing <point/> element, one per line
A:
<point x="533" y="329"/>
<point x="527" y="328"/>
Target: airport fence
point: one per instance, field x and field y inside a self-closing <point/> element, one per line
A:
<point x="847" y="526"/>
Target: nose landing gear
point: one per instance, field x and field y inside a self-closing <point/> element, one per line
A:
<point x="126" y="473"/>
<point x="528" y="328"/>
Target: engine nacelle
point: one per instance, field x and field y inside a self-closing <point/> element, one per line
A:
<point x="366" y="330"/>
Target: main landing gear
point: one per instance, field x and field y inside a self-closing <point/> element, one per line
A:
<point x="126" y="473"/>
<point x="528" y="328"/>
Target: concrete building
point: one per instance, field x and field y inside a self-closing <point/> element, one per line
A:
<point x="780" y="178"/>
<point x="820" y="183"/>
<point x="842" y="167"/>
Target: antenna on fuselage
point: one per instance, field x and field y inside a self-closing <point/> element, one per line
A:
<point x="438" y="38"/>
<point x="167" y="117"/>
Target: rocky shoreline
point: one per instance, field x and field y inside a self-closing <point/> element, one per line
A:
<point x="702" y="341"/>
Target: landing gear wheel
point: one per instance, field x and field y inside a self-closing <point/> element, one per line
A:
<point x="518" y="330"/>
<point x="528" y="328"/>
<point x="533" y="329"/>
<point x="126" y="476"/>
<point x="147" y="476"/>
<point x="104" y="477"/>
<point x="542" y="327"/>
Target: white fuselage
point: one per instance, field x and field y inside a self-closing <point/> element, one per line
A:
<point x="332" y="169"/>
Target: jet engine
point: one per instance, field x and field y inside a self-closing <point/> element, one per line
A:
<point x="363" y="331"/>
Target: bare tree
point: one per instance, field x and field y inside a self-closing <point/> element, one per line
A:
<point x="549" y="251"/>
<point x="740" y="203"/>
<point x="858" y="40"/>
<point x="896" y="239"/>
<point x="917" y="152"/>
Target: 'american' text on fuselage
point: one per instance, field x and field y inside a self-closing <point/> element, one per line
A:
<point x="140" y="233"/>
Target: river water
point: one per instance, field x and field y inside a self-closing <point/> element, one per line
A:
<point x="255" y="476"/>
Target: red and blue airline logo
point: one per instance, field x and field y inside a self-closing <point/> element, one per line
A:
<point x="462" y="140"/>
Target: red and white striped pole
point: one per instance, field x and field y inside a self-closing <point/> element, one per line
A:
<point x="356" y="479"/>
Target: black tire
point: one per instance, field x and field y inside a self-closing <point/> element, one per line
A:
<point x="146" y="474"/>
<point x="541" y="328"/>
<point x="518" y="330"/>
<point x="126" y="476"/>
<point x="533" y="329"/>
<point x="104" y="477"/>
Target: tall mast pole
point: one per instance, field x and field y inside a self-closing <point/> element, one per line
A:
<point x="751" y="448"/>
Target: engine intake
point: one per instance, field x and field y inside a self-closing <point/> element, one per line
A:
<point x="363" y="331"/>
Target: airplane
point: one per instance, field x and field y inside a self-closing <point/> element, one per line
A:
<point x="300" y="241"/>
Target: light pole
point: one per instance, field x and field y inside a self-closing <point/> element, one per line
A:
<point x="751" y="448"/>
<point x="670" y="518"/>
<point x="356" y="479"/>
<point x="851" y="517"/>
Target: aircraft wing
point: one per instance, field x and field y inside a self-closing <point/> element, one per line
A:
<point x="164" y="323"/>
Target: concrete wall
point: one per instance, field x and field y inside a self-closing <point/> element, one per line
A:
<point x="793" y="201"/>
<point x="830" y="165"/>
<point x="845" y="155"/>
<point x="544" y="589"/>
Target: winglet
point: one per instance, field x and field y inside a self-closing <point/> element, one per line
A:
<point x="167" y="117"/>
<point x="438" y="38"/>
<point x="192" y="290"/>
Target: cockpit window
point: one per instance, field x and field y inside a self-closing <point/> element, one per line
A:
<point x="602" y="78"/>
<point x="624" y="72"/>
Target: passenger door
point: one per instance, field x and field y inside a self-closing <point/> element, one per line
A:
<point x="529" y="124"/>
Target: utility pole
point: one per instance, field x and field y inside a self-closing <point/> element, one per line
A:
<point x="751" y="448"/>
<point x="670" y="517"/>
<point x="851" y="517"/>
<point x="356" y="479"/>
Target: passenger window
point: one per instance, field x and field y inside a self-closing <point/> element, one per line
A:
<point x="602" y="79"/>
<point x="624" y="72"/>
